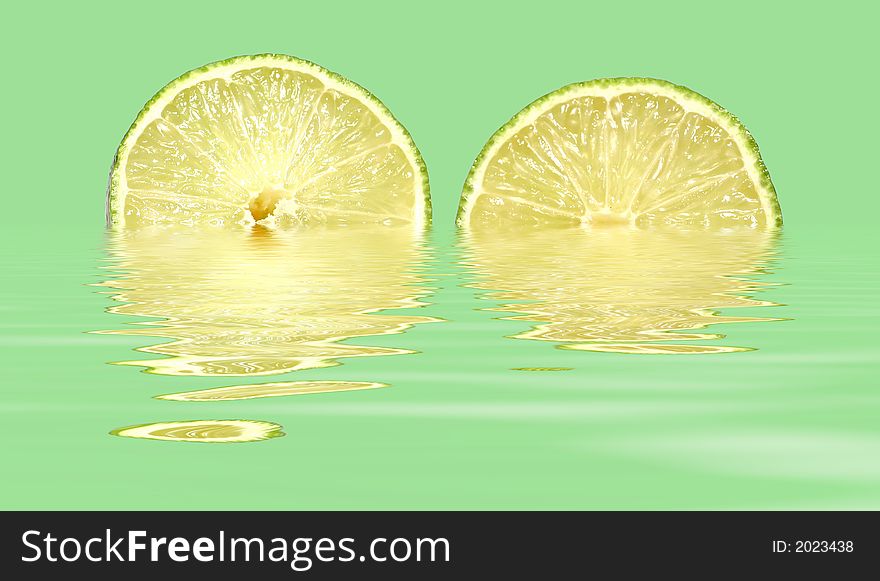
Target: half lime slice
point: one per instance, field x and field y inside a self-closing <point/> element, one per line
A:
<point x="629" y="151"/>
<point x="267" y="139"/>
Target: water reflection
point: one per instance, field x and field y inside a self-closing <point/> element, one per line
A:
<point x="276" y="389"/>
<point x="622" y="290"/>
<point x="260" y="302"/>
<point x="264" y="302"/>
<point x="542" y="368"/>
<point x="209" y="431"/>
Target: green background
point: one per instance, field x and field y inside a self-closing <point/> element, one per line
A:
<point x="799" y="415"/>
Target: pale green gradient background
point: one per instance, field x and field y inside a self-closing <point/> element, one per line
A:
<point x="795" y="424"/>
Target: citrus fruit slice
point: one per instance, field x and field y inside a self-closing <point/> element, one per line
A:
<point x="634" y="151"/>
<point x="270" y="139"/>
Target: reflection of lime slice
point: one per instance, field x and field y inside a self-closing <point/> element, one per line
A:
<point x="623" y="290"/>
<point x="542" y="368"/>
<point x="266" y="138"/>
<point x="658" y="349"/>
<point x="246" y="302"/>
<point x="216" y="431"/>
<point x="631" y="151"/>
<point x="278" y="389"/>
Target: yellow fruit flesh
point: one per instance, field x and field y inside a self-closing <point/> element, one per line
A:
<point x="222" y="143"/>
<point x="635" y="158"/>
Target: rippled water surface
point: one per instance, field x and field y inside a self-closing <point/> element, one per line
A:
<point x="620" y="290"/>
<point x="379" y="369"/>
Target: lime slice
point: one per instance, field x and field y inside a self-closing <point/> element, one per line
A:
<point x="269" y="139"/>
<point x="641" y="152"/>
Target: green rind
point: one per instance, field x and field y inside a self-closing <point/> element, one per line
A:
<point x="744" y="134"/>
<point x="111" y="207"/>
